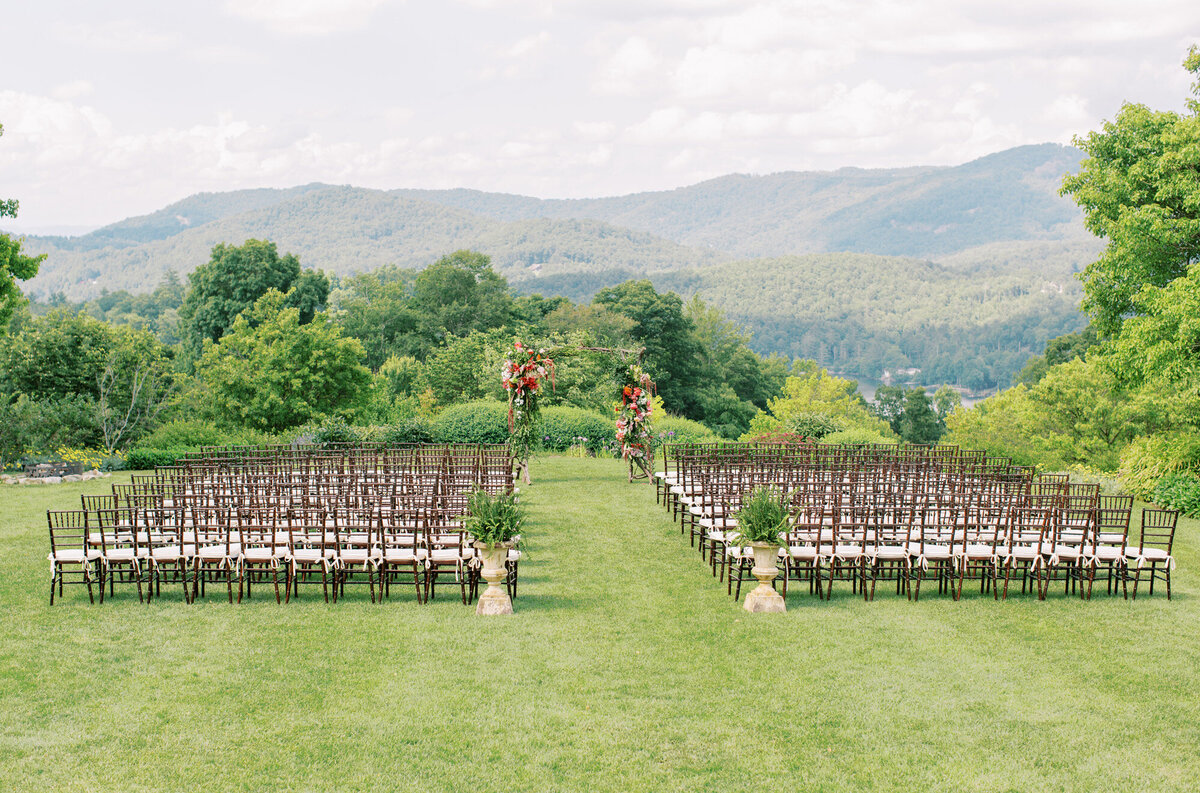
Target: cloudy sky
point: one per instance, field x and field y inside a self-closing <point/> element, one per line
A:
<point x="117" y="108"/>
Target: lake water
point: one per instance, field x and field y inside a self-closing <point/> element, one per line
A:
<point x="867" y="389"/>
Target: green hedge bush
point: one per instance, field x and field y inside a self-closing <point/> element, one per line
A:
<point x="145" y="458"/>
<point x="1179" y="491"/>
<point x="856" y="435"/>
<point x="472" y="422"/>
<point x="196" y="433"/>
<point x="415" y="429"/>
<point x="675" y="429"/>
<point x="561" y="426"/>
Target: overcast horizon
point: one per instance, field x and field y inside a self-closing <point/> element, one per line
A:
<point x="118" y="110"/>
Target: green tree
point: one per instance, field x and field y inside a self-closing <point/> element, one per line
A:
<point x="271" y="372"/>
<point x="94" y="383"/>
<point x="812" y="390"/>
<point x="889" y="405"/>
<point x="460" y="293"/>
<point x="376" y="308"/>
<point x="232" y="280"/>
<point x="458" y="371"/>
<point x="919" y="422"/>
<point x="1060" y="349"/>
<point x="1138" y="189"/>
<point x="1090" y="415"/>
<point x="57" y="355"/>
<point x="14" y="266"/>
<point x="672" y="350"/>
<point x="945" y="401"/>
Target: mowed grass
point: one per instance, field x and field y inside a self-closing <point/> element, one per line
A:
<point x="626" y="668"/>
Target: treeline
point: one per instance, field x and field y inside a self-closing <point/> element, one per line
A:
<point x="255" y="343"/>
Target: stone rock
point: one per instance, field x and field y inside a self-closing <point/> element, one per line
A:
<point x="53" y="480"/>
<point x="73" y="478"/>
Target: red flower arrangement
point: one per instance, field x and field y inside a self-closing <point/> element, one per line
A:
<point x="634" y="416"/>
<point x="522" y="374"/>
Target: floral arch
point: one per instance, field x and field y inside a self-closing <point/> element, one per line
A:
<point x="523" y="375"/>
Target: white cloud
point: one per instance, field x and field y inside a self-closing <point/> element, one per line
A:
<point x="528" y="45"/>
<point x="631" y="69"/>
<point x="306" y="17"/>
<point x="75" y="89"/>
<point x="120" y="35"/>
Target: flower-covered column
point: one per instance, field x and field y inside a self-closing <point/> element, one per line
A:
<point x="633" y="422"/>
<point x="522" y="375"/>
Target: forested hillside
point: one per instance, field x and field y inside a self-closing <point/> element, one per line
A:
<point x="864" y="314"/>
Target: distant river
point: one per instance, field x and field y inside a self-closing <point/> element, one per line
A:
<point x="867" y="389"/>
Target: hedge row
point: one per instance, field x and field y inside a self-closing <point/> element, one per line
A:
<point x="470" y="422"/>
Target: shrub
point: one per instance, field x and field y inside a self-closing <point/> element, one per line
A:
<point x="472" y="422"/>
<point x="415" y="429"/>
<point x="564" y="427"/>
<point x="855" y="435"/>
<point x="146" y="458"/>
<point x="336" y="431"/>
<point x="1149" y="458"/>
<point x="779" y="437"/>
<point x="195" y="433"/>
<point x="815" y="424"/>
<point x="1179" y="491"/>
<point x="676" y="429"/>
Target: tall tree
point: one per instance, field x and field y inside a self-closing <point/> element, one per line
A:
<point x="672" y="351"/>
<point x="233" y="279"/>
<point x="271" y="372"/>
<point x="1138" y="189"/>
<point x="376" y="308"/>
<point x="460" y="293"/>
<point x="14" y="266"/>
<point x="919" y="423"/>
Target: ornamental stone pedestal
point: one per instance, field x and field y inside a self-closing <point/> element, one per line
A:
<point x="495" y="599"/>
<point x="764" y="598"/>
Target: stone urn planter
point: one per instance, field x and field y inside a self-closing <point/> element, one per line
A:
<point x="495" y="599"/>
<point x="764" y="598"/>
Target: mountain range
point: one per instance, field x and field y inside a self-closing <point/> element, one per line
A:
<point x="773" y="250"/>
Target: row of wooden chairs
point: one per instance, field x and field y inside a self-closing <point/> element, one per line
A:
<point x="209" y="522"/>
<point x="859" y="515"/>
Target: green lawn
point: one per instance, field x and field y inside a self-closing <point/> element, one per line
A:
<point x="626" y="667"/>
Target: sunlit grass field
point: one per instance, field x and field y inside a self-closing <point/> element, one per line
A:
<point x="626" y="667"/>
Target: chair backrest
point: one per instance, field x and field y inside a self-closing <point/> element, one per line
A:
<point x="68" y="529"/>
<point x="1158" y="529"/>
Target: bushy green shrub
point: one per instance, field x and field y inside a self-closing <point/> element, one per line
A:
<point x="675" y="429"/>
<point x="564" y="427"/>
<point x="146" y="458"/>
<point x="856" y="435"/>
<point x="1149" y="458"/>
<point x="1179" y="491"/>
<point x="196" y="433"/>
<point x="415" y="429"/>
<point x="472" y="422"/>
<point x="337" y="431"/>
<point x="814" y="424"/>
